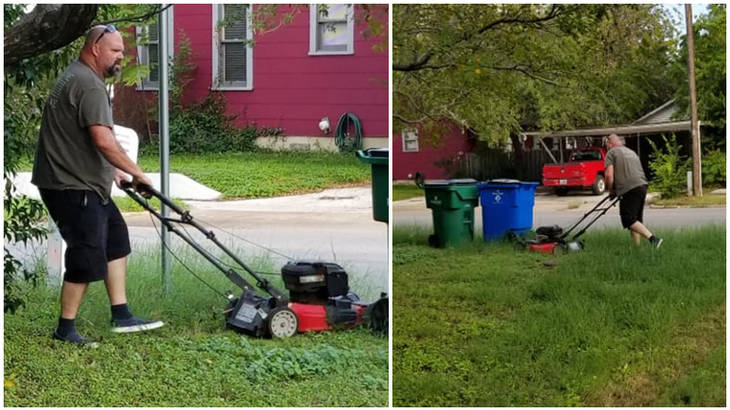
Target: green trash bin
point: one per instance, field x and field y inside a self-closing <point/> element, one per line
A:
<point x="378" y="159"/>
<point x="452" y="202"/>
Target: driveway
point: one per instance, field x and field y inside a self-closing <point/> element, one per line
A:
<point x="565" y="211"/>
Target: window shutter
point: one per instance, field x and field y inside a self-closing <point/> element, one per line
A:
<point x="235" y="62"/>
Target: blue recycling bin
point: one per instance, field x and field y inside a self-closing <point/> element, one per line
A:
<point x="507" y="206"/>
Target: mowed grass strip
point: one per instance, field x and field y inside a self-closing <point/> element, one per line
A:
<point x="485" y="325"/>
<point x="267" y="174"/>
<point x="193" y="361"/>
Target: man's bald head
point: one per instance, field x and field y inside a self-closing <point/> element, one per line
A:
<point x="615" y="141"/>
<point x="103" y="50"/>
<point x="94" y="34"/>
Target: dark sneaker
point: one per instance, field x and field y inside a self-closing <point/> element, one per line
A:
<point x="77" y="339"/>
<point x="134" y="324"/>
<point x="656" y="241"/>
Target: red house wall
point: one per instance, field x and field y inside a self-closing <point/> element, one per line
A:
<point x="291" y="89"/>
<point x="430" y="158"/>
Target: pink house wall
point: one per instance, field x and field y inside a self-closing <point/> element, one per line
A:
<point x="291" y="89"/>
<point x="430" y="155"/>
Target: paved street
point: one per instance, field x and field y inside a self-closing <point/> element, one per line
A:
<point x="334" y="225"/>
<point x="565" y="211"/>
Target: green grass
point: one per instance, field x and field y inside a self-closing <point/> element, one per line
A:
<point x="267" y="174"/>
<point x="485" y="325"/>
<point x="401" y="192"/>
<point x="192" y="361"/>
<point x="705" y="200"/>
<point x="261" y="174"/>
<point x="127" y="204"/>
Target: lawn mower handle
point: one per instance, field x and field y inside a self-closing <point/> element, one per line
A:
<point x="186" y="218"/>
<point x="592" y="210"/>
<point x="615" y="199"/>
<point x="149" y="189"/>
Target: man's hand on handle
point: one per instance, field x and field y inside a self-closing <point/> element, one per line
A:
<point x="139" y="183"/>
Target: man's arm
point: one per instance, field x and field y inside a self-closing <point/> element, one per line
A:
<point x="609" y="179"/>
<point x="104" y="140"/>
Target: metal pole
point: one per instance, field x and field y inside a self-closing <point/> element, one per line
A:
<point x="164" y="143"/>
<point x="696" y="158"/>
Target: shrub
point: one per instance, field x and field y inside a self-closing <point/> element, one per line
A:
<point x="670" y="168"/>
<point x="202" y="126"/>
<point x="713" y="168"/>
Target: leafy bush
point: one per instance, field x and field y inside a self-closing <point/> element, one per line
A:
<point x="669" y="167"/>
<point x="205" y="127"/>
<point x="713" y="168"/>
<point x="202" y="126"/>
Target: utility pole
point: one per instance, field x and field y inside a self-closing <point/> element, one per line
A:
<point x="164" y="122"/>
<point x="695" y="132"/>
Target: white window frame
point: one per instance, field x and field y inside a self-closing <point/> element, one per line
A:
<point x="313" y="32"/>
<point x="143" y="53"/>
<point x="410" y="135"/>
<point x="217" y="83"/>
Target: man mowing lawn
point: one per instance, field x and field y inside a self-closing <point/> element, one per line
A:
<point x="625" y="178"/>
<point x="74" y="168"/>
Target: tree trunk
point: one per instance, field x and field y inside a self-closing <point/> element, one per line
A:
<point x="48" y="27"/>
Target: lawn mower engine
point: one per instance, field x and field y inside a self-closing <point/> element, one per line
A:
<point x="319" y="299"/>
<point x="320" y="296"/>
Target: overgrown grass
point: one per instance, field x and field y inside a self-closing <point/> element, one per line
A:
<point x="401" y="192"/>
<point x="126" y="204"/>
<point x="261" y="174"/>
<point x="267" y="174"/>
<point x="485" y="325"/>
<point x="192" y="361"/>
<point x="705" y="200"/>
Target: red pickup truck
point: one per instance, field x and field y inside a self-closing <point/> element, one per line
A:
<point x="585" y="169"/>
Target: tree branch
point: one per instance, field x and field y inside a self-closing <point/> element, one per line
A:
<point x="419" y="64"/>
<point x="48" y="27"/>
<point x="422" y="61"/>
<point x="137" y="19"/>
<point x="527" y="73"/>
<point x="554" y="12"/>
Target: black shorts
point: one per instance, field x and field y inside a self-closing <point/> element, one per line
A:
<point x="631" y="206"/>
<point x="94" y="231"/>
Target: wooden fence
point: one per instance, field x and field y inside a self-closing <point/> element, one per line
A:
<point x="495" y="163"/>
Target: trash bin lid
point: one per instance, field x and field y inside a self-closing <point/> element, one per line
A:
<point x="503" y="181"/>
<point x="450" y="182"/>
<point x="378" y="152"/>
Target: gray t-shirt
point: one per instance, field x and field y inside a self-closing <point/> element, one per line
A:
<point x="627" y="170"/>
<point x="66" y="157"/>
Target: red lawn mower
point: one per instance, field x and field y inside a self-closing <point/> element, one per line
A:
<point x="552" y="239"/>
<point x="319" y="296"/>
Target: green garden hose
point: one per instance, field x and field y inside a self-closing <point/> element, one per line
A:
<point x="343" y="139"/>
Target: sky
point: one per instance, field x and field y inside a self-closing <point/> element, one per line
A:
<point x="677" y="13"/>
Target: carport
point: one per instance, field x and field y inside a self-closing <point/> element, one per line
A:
<point x="653" y="124"/>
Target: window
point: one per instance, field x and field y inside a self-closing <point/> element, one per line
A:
<point x="331" y="28"/>
<point x="147" y="54"/>
<point x="410" y="140"/>
<point x="148" y="51"/>
<point x="233" y="54"/>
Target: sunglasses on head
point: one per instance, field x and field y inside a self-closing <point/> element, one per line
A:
<point x="108" y="29"/>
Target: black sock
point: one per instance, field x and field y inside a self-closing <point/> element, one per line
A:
<point x="67" y="331"/>
<point x="66" y="326"/>
<point x="121" y="312"/>
<point x="651" y="238"/>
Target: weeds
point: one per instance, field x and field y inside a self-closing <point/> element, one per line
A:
<point x="489" y="326"/>
<point x="193" y="361"/>
<point x="267" y="174"/>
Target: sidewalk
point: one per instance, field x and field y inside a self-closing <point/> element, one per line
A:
<point x="181" y="187"/>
